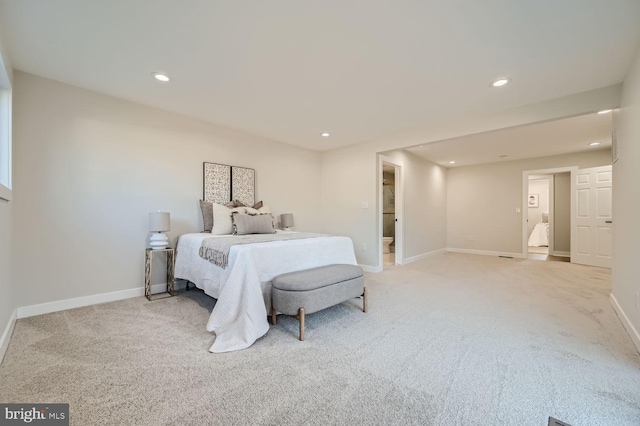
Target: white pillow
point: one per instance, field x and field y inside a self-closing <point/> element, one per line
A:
<point x="261" y="210"/>
<point x="222" y="224"/>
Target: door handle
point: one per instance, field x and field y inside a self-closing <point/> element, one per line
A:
<point x="608" y="221"/>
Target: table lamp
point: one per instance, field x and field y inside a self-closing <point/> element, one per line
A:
<point x="286" y="221"/>
<point x="159" y="223"/>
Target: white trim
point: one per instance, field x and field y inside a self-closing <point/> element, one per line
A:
<point x="78" y="302"/>
<point x="561" y="254"/>
<point x="488" y="253"/>
<point x="6" y="336"/>
<point x="373" y="269"/>
<point x="635" y="336"/>
<point x="5" y="144"/>
<point x="424" y="255"/>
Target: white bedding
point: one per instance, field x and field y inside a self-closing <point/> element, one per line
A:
<point x="540" y="235"/>
<point x="239" y="317"/>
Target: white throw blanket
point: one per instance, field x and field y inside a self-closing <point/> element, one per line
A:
<point x="239" y="317"/>
<point x="216" y="250"/>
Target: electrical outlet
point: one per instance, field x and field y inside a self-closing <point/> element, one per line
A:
<point x="365" y="204"/>
<point x="517" y="209"/>
<point x="364" y="247"/>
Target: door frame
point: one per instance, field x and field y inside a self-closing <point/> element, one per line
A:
<point x="399" y="207"/>
<point x="550" y="207"/>
<point x="525" y="195"/>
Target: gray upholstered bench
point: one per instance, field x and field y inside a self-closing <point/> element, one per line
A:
<point x="305" y="292"/>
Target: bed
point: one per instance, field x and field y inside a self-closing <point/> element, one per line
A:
<point x="540" y="234"/>
<point x="243" y="288"/>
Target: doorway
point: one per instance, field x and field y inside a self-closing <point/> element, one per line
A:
<point x="539" y="204"/>
<point x="548" y="201"/>
<point x="388" y="215"/>
<point x="390" y="212"/>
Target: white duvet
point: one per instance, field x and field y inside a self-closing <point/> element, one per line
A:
<point x="239" y="317"/>
<point x="539" y="236"/>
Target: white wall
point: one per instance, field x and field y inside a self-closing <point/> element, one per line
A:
<point x="7" y="294"/>
<point x="89" y="168"/>
<point x="482" y="200"/>
<point x="355" y="167"/>
<point x="425" y="204"/>
<point x="626" y="204"/>
<point x="562" y="213"/>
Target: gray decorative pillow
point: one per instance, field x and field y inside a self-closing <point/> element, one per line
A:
<point x="257" y="206"/>
<point x="244" y="224"/>
<point x="207" y="215"/>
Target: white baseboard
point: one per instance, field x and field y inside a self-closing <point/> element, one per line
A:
<point x="487" y="253"/>
<point x="561" y="253"/>
<point x="423" y="256"/>
<point x="78" y="302"/>
<point x="373" y="269"/>
<point x="635" y="336"/>
<point x="6" y="336"/>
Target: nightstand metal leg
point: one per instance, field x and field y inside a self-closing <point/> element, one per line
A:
<point x="147" y="275"/>
<point x="170" y="273"/>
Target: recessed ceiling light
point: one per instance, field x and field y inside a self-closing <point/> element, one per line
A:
<point x="421" y="146"/>
<point x="500" y="82"/>
<point x="595" y="143"/>
<point x="161" y="77"/>
<point x="325" y="134"/>
<point x="452" y="162"/>
<point x="604" y="111"/>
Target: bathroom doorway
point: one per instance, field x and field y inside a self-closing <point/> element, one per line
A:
<point x="390" y="212"/>
<point x="388" y="215"/>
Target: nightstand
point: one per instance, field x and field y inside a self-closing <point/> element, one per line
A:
<point x="148" y="262"/>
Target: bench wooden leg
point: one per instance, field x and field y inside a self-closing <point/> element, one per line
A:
<point x="273" y="316"/>
<point x="301" y="319"/>
<point x="364" y="301"/>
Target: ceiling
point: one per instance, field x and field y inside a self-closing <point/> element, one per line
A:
<point x="536" y="140"/>
<point x="289" y="70"/>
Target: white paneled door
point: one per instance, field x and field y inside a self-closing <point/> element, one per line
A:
<point x="593" y="223"/>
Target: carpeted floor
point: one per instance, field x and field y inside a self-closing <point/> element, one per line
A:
<point x="454" y="339"/>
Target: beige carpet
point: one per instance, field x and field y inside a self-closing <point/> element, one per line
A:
<point x="454" y="339"/>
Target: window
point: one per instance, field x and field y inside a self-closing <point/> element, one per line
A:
<point x="5" y="133"/>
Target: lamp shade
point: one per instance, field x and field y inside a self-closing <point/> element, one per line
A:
<point x="286" y="220"/>
<point x="159" y="222"/>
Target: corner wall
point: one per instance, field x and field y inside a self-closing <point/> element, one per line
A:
<point x="626" y="207"/>
<point x="425" y="204"/>
<point x="482" y="200"/>
<point x="88" y="168"/>
<point x="7" y="294"/>
<point x="349" y="175"/>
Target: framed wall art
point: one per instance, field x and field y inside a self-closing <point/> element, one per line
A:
<point x="216" y="183"/>
<point x="243" y="185"/>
